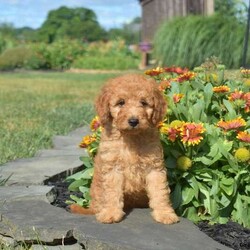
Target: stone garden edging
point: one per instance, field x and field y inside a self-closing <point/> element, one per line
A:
<point x="26" y="215"/>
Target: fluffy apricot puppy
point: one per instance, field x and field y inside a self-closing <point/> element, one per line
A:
<point x="129" y="170"/>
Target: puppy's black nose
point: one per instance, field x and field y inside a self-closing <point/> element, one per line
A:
<point x="133" y="122"/>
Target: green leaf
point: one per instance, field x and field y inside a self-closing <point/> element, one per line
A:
<point x="74" y="186"/>
<point x="207" y="199"/>
<point x="76" y="176"/>
<point x="88" y="173"/>
<point x="187" y="195"/>
<point x="225" y="201"/>
<point x="194" y="184"/>
<point x="87" y="161"/>
<point x="176" y="196"/>
<point x="84" y="190"/>
<point x="206" y="161"/>
<point x="229" y="107"/>
<point x="214" y="150"/>
<point x="191" y="214"/>
<point x="170" y="162"/>
<point x="198" y="109"/>
<point x="208" y="93"/>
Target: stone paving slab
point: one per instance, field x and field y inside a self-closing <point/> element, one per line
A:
<point x="80" y="132"/>
<point x="29" y="220"/>
<point x="37" y="170"/>
<point x="60" y="142"/>
<point x="17" y="193"/>
<point x="61" y="152"/>
<point x="27" y="215"/>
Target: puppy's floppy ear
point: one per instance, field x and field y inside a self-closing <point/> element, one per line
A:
<point x="160" y="106"/>
<point x="102" y="106"/>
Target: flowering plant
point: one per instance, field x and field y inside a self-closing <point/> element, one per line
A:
<point x="206" y="142"/>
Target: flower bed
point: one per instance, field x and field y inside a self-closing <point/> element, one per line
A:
<point x="206" y="139"/>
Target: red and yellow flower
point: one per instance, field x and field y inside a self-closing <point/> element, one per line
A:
<point x="185" y="77"/>
<point x="191" y="133"/>
<point x="177" y="70"/>
<point x="172" y="130"/>
<point x="236" y="95"/>
<point x="244" y="136"/>
<point x="246" y="97"/>
<point x="87" y="140"/>
<point x="177" y="97"/>
<point x="245" y="73"/>
<point x="154" y="72"/>
<point x="232" y="124"/>
<point x="163" y="127"/>
<point x="165" y="84"/>
<point x="221" y="89"/>
<point x="95" y="123"/>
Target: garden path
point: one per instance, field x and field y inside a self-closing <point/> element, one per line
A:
<point x="27" y="216"/>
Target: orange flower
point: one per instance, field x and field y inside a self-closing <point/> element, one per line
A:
<point x="221" y="89"/>
<point x="245" y="73"/>
<point x="173" y="133"/>
<point x="87" y="140"/>
<point x="177" y="97"/>
<point x="185" y="77"/>
<point x="163" y="127"/>
<point x="95" y="124"/>
<point x="244" y="136"/>
<point x="191" y="133"/>
<point x="236" y="95"/>
<point x="246" y="97"/>
<point x="177" y="70"/>
<point x="173" y="130"/>
<point x="154" y="72"/>
<point x="164" y="85"/>
<point x="232" y="124"/>
<point x="241" y="99"/>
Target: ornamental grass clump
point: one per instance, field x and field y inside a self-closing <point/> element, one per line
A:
<point x="206" y="141"/>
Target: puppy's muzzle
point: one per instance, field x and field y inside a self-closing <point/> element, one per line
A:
<point x="133" y="122"/>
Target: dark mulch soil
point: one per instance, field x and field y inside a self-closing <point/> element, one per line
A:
<point x="231" y="234"/>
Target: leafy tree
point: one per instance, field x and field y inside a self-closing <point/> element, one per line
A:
<point x="7" y="30"/>
<point x="77" y="23"/>
<point x="231" y="8"/>
<point x="26" y="34"/>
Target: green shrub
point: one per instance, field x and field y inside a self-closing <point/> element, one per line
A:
<point x="108" y="55"/>
<point x="62" y="53"/>
<point x="39" y="58"/>
<point x="190" y="40"/>
<point x="5" y="43"/>
<point x="117" y="62"/>
<point x="15" y="58"/>
<point x="58" y="55"/>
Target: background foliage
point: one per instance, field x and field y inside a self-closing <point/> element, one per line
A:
<point x="189" y="41"/>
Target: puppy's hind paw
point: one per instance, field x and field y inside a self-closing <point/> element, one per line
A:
<point x="165" y="217"/>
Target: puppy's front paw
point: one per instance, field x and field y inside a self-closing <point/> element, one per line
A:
<point x="165" y="217"/>
<point x="110" y="215"/>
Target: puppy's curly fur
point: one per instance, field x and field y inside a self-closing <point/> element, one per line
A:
<point x="128" y="169"/>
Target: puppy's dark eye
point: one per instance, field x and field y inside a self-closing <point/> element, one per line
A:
<point x="144" y="103"/>
<point x="120" y="103"/>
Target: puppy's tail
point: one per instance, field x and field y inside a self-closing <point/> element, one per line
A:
<point x="77" y="209"/>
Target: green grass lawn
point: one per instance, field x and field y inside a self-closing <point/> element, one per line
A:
<point x="34" y="106"/>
